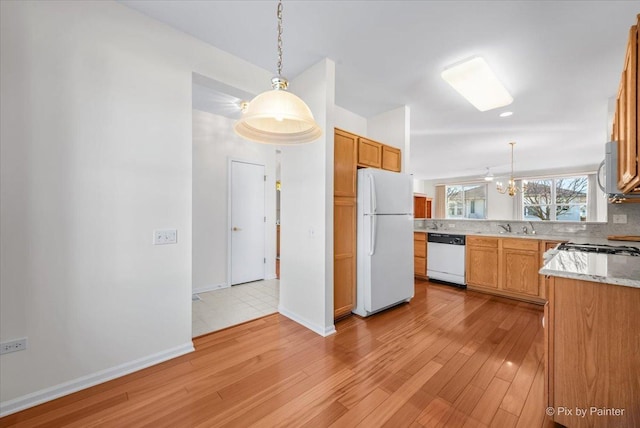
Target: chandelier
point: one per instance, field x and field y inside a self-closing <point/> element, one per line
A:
<point x="511" y="189"/>
<point x="277" y="116"/>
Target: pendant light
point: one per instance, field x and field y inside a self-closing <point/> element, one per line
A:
<point x="277" y="116"/>
<point x="511" y="188"/>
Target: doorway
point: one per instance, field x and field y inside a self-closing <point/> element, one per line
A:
<point x="247" y="222"/>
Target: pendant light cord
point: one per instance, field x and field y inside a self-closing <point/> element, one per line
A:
<point x="279" y="14"/>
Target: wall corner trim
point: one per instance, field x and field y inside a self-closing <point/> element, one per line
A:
<point x="66" y="388"/>
<point x="322" y="331"/>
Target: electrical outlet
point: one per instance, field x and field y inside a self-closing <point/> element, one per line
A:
<point x="620" y="218"/>
<point x="13" y="346"/>
<point x="165" y="236"/>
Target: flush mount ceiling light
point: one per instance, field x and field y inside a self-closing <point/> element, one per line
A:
<point x="476" y="82"/>
<point x="277" y="116"/>
<point x="489" y="175"/>
<point x="511" y="187"/>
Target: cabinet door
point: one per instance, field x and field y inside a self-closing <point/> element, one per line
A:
<point x="482" y="266"/>
<point x="344" y="165"/>
<point x="419" y="209"/>
<point x="369" y="153"/>
<point x="521" y="271"/>
<point x="344" y="256"/>
<point x="626" y="115"/>
<point x="391" y="158"/>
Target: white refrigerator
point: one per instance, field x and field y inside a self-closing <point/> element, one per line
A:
<point x="385" y="240"/>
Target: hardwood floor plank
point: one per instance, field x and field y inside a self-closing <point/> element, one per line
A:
<point x="408" y="413"/>
<point x="533" y="412"/>
<point x="490" y="401"/>
<point x="306" y="406"/>
<point x="360" y="410"/>
<point x="504" y="419"/>
<point x="387" y="408"/>
<point x="436" y="413"/>
<point x="449" y="358"/>
<point x="518" y="391"/>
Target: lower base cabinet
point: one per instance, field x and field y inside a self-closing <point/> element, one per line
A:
<point x="506" y="267"/>
<point x="344" y="256"/>
<point x="592" y="351"/>
<point x="420" y="254"/>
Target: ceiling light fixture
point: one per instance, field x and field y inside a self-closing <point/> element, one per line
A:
<point x="511" y="188"/>
<point x="489" y="175"/>
<point x="476" y="82"/>
<point x="277" y="116"/>
<point x="506" y="114"/>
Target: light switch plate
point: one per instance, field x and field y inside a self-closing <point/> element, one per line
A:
<point x="165" y="236"/>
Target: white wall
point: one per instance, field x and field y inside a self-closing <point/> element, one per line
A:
<point x="499" y="206"/>
<point x="348" y="121"/>
<point x="96" y="153"/>
<point x="392" y="129"/>
<point x="306" y="206"/>
<point x="214" y="142"/>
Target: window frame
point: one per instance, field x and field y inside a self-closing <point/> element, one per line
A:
<point x="471" y="203"/>
<point x="554" y="204"/>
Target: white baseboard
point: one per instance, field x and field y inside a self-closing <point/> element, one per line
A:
<point x="206" y="288"/>
<point x="321" y="330"/>
<point x="66" y="388"/>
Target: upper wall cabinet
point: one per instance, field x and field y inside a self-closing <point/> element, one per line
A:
<point x="625" y="129"/>
<point x="369" y="153"/>
<point x="391" y="159"/>
<point x="345" y="159"/>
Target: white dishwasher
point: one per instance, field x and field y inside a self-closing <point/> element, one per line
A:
<point x="445" y="258"/>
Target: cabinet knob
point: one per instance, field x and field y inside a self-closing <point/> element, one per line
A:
<point x="236" y="229"/>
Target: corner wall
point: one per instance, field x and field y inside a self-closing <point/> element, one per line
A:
<point x="306" y="207"/>
<point x="95" y="154"/>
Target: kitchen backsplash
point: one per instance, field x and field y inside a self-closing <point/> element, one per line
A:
<point x="600" y="230"/>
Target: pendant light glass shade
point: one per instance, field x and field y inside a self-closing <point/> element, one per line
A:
<point x="278" y="117"/>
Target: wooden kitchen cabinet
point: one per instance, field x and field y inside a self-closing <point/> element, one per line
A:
<point x="421" y="206"/>
<point x="505" y="266"/>
<point x="625" y="130"/>
<point x="420" y="254"/>
<point x="391" y="158"/>
<point x="345" y="160"/>
<point x="344" y="256"/>
<point x="369" y="153"/>
<point x="520" y="265"/>
<point x="591" y="351"/>
<point x="344" y="222"/>
<point x="482" y="262"/>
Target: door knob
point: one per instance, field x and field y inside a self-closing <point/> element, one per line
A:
<point x="236" y="229"/>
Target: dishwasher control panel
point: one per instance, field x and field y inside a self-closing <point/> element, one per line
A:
<point x="446" y="238"/>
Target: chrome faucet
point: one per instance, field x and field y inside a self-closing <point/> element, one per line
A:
<point x="533" y="231"/>
<point x="506" y="228"/>
<point x="524" y="229"/>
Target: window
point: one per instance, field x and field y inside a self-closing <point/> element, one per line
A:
<point x="467" y="201"/>
<point x="556" y="199"/>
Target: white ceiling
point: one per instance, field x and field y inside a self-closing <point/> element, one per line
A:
<point x="561" y="61"/>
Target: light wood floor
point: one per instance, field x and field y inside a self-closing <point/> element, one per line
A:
<point x="449" y="358"/>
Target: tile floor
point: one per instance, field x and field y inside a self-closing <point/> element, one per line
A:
<point x="223" y="308"/>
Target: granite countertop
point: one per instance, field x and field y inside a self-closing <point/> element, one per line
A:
<point x="541" y="237"/>
<point x="595" y="267"/>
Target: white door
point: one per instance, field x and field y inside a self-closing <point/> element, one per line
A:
<point x="247" y="222"/>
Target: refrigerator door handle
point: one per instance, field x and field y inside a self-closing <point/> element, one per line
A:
<point x="372" y="200"/>
<point x="372" y="235"/>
